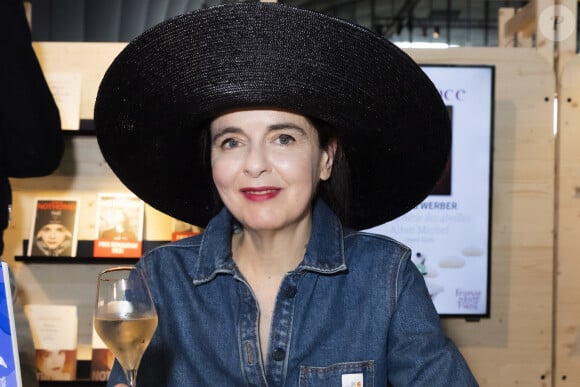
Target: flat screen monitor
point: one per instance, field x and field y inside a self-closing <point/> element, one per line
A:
<point x="449" y="233"/>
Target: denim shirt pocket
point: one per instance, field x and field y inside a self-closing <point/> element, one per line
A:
<point x="340" y="375"/>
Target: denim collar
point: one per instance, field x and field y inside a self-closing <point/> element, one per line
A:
<point x="324" y="253"/>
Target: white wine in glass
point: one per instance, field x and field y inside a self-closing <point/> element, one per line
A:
<point x="125" y="317"/>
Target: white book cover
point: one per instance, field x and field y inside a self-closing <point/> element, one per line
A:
<point x="9" y="361"/>
<point x="55" y="334"/>
<point x="54" y="227"/>
<point x="183" y="229"/>
<point x="120" y="218"/>
<point x="66" y="89"/>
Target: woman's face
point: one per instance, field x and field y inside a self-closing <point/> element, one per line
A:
<point x="266" y="165"/>
<point x="53" y="235"/>
<point x="53" y="362"/>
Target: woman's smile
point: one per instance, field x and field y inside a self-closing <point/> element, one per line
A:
<point x="258" y="194"/>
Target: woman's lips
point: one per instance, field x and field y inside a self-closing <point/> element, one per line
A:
<point x="258" y="194"/>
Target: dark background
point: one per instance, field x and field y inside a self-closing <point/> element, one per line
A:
<point x="464" y="23"/>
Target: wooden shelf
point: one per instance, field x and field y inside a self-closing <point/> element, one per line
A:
<point x="85" y="255"/>
<point x="74" y="260"/>
<point x="83" y="372"/>
<point x="72" y="383"/>
<point x="86" y="128"/>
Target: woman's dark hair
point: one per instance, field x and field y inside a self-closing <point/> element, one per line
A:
<point x="335" y="191"/>
<point x="205" y="164"/>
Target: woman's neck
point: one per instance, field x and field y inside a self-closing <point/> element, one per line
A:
<point x="270" y="252"/>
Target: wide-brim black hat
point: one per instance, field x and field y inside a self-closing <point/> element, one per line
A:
<point x="164" y="87"/>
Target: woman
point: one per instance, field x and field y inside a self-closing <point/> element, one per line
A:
<point x="281" y="131"/>
<point x="53" y="238"/>
<point x="54" y="365"/>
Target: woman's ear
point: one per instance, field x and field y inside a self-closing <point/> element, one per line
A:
<point x="327" y="159"/>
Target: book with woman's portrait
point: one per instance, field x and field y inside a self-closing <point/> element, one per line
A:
<point x="54" y="228"/>
<point x="54" y="331"/>
<point x="120" y="219"/>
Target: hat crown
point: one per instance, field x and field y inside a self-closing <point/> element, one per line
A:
<point x="160" y="92"/>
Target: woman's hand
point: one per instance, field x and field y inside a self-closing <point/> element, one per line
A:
<point x="121" y="385"/>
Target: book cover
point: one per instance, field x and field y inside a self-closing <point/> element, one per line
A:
<point x="54" y="333"/>
<point x="102" y="359"/>
<point x="66" y="89"/>
<point x="54" y="228"/>
<point x="183" y="230"/>
<point x="9" y="360"/>
<point x="119" y="226"/>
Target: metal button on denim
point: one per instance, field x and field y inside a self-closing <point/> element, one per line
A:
<point x="279" y="354"/>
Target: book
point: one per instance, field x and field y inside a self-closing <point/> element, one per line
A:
<point x="102" y="359"/>
<point x="183" y="230"/>
<point x="66" y="90"/>
<point x="54" y="333"/>
<point x="54" y="228"/>
<point x="9" y="360"/>
<point x="119" y="225"/>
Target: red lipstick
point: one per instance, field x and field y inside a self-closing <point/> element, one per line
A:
<point x="259" y="194"/>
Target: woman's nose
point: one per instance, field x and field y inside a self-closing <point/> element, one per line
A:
<point x="256" y="161"/>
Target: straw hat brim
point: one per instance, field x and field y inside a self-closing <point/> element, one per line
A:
<point x="164" y="87"/>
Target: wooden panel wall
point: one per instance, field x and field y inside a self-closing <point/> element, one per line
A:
<point x="567" y="370"/>
<point x="82" y="174"/>
<point x="512" y="347"/>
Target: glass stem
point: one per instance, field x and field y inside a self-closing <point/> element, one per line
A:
<point x="131" y="376"/>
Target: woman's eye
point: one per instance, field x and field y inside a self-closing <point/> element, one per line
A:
<point x="229" y="143"/>
<point x="285" y="139"/>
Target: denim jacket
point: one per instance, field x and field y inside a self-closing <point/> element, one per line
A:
<point x="355" y="312"/>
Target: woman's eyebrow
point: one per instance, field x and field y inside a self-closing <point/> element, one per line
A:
<point x="287" y="125"/>
<point x="273" y="127"/>
<point x="226" y="130"/>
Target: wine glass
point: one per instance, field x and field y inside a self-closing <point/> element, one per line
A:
<point x="125" y="317"/>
